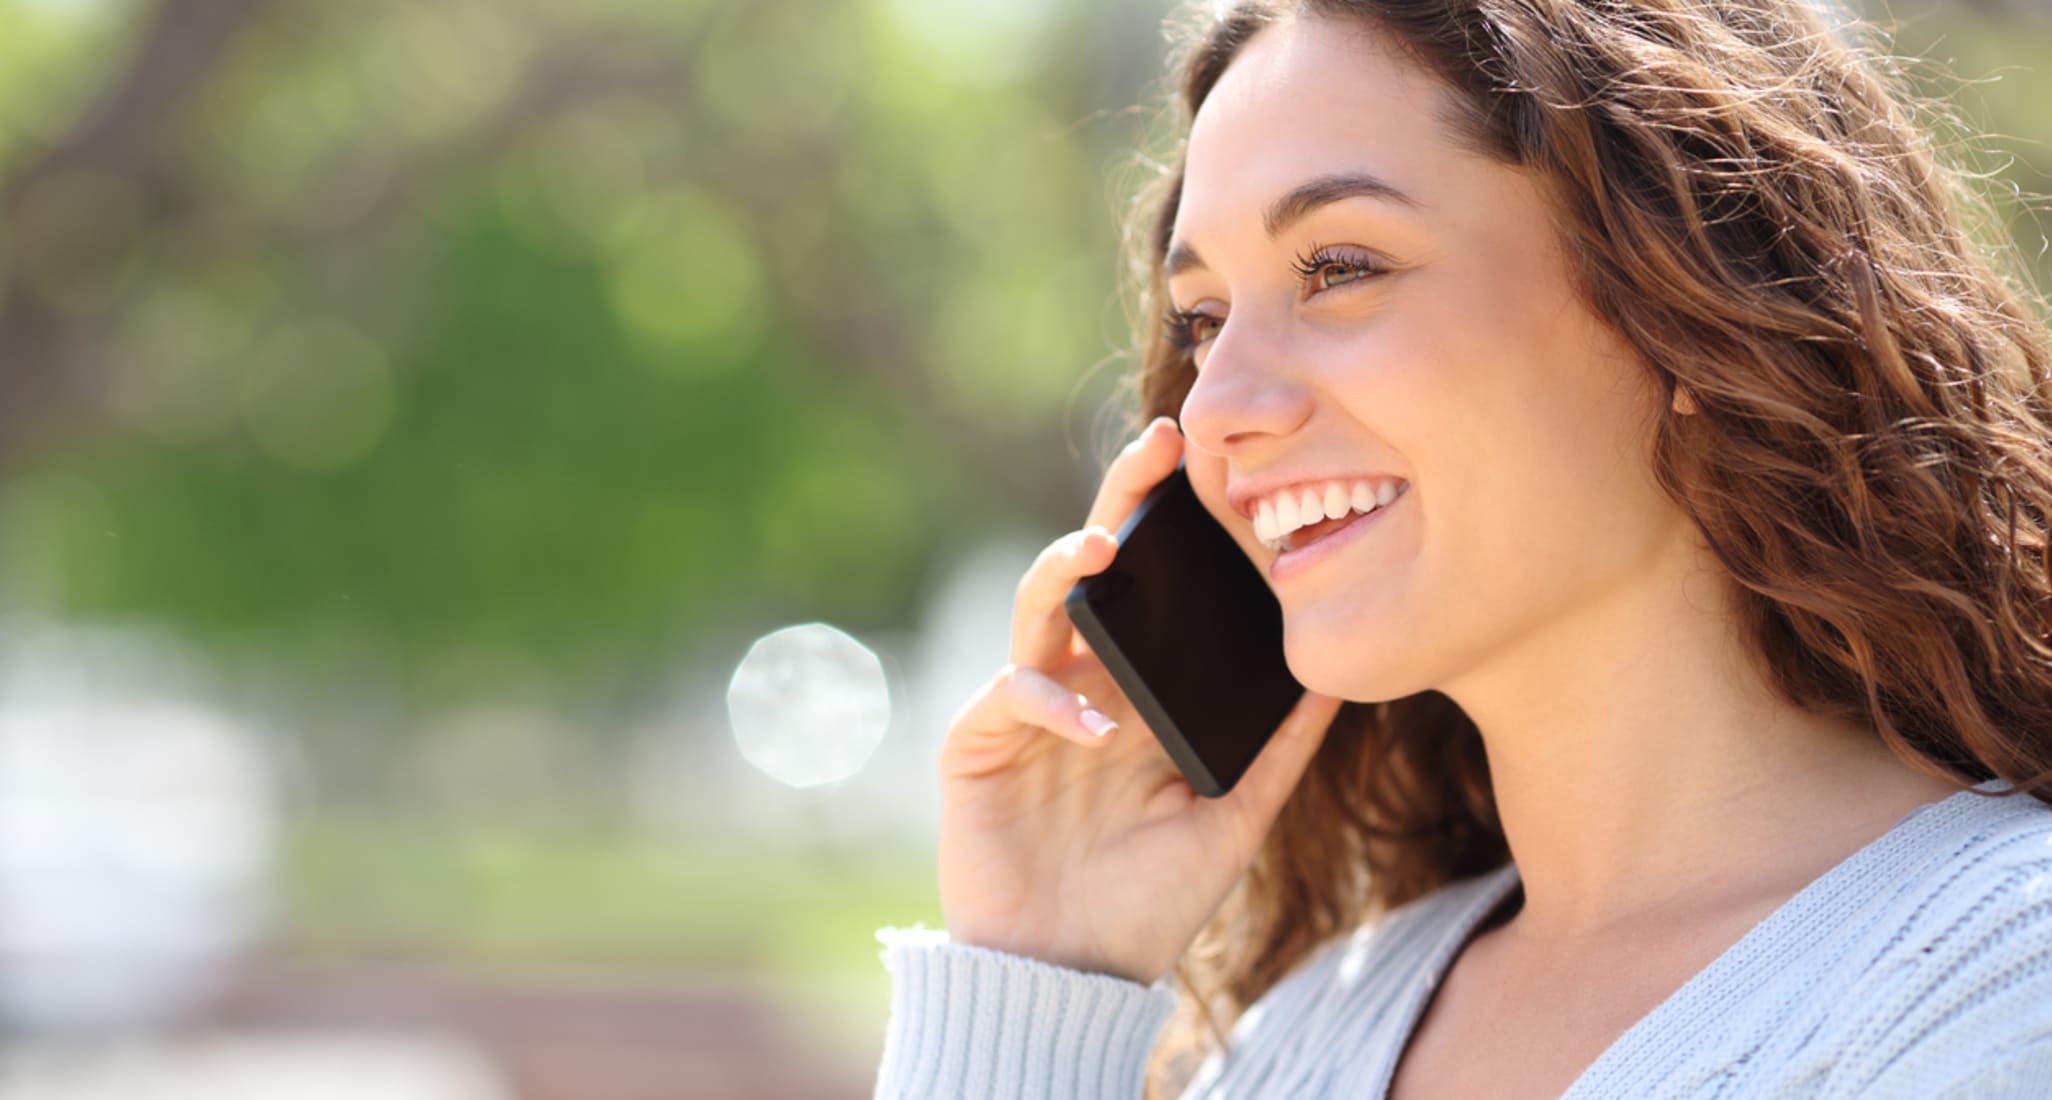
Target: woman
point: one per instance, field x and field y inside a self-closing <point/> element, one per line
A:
<point x="1682" y="727"/>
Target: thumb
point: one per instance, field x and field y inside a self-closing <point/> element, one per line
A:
<point x="1259" y="794"/>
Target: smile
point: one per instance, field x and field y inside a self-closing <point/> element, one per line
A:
<point x="1328" y="538"/>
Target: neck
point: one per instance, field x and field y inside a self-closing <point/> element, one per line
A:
<point x="1643" y="767"/>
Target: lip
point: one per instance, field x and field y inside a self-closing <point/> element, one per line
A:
<point x="1290" y="563"/>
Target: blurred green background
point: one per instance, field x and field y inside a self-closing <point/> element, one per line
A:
<point x="432" y="402"/>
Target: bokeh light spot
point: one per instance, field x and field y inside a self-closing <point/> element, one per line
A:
<point x="689" y="278"/>
<point x="808" y="704"/>
<point x="996" y="42"/>
<point x="318" y="396"/>
<point x="565" y="182"/>
<point x="176" y="352"/>
<point x="454" y="61"/>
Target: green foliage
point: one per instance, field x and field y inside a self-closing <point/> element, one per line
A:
<point x="482" y="328"/>
<point x="576" y="334"/>
<point x="530" y="475"/>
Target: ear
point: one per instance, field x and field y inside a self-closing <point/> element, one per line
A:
<point x="1684" y="401"/>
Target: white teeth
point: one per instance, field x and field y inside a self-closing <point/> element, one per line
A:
<point x="1277" y="517"/>
<point x="1338" y="502"/>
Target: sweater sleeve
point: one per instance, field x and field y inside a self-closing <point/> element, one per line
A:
<point x="1966" y="1007"/>
<point x="970" y="1021"/>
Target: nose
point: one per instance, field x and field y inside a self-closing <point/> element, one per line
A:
<point x="1244" y="395"/>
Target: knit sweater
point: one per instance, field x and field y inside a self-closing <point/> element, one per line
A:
<point x="1919" y="967"/>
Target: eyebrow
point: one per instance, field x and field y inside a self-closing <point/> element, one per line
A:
<point x="1298" y="204"/>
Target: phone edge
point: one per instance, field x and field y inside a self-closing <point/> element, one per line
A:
<point x="1084" y="617"/>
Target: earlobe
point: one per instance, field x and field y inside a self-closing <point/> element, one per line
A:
<point x="1685" y="402"/>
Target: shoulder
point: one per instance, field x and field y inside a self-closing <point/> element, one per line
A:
<point x="1982" y="878"/>
<point x="1961" y="975"/>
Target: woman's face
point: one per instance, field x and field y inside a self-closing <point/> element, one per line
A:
<point x="1370" y="303"/>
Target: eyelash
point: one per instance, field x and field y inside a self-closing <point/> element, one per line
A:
<point x="1307" y="265"/>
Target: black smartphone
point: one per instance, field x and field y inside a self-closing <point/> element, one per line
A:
<point x="1192" y="634"/>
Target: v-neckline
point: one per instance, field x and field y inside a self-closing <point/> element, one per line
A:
<point x="1492" y="887"/>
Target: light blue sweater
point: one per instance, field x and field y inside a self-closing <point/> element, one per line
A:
<point x="1919" y="967"/>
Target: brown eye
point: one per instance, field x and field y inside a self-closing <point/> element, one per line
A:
<point x="1335" y="273"/>
<point x="1326" y="268"/>
<point x="1188" y="329"/>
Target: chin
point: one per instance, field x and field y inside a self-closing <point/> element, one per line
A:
<point x="1346" y="672"/>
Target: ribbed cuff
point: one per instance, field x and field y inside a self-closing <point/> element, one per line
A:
<point x="972" y="1022"/>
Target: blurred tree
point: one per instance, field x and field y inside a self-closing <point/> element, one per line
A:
<point x="573" y="333"/>
<point x="508" y="327"/>
<point x="71" y="211"/>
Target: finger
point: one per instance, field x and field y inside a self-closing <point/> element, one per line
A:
<point x="1040" y="626"/>
<point x="1259" y="794"/>
<point x="1041" y="631"/>
<point x="1136" y="469"/>
<point x="1021" y="696"/>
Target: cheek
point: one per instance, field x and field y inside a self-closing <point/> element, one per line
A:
<point x="1520" y="415"/>
<point x="1548" y="453"/>
<point x="1512" y="372"/>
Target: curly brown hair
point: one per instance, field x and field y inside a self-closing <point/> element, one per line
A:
<point x="1753" y="200"/>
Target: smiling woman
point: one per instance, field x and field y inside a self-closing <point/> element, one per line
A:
<point x="1653" y="474"/>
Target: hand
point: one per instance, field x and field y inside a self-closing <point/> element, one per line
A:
<point x="1085" y="849"/>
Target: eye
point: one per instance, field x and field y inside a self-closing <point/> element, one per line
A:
<point x="1325" y="267"/>
<point x="1322" y="268"/>
<point x="1187" y="329"/>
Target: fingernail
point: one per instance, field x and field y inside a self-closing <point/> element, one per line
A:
<point x="1097" y="722"/>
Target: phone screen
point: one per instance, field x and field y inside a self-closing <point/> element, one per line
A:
<point x="1191" y="632"/>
